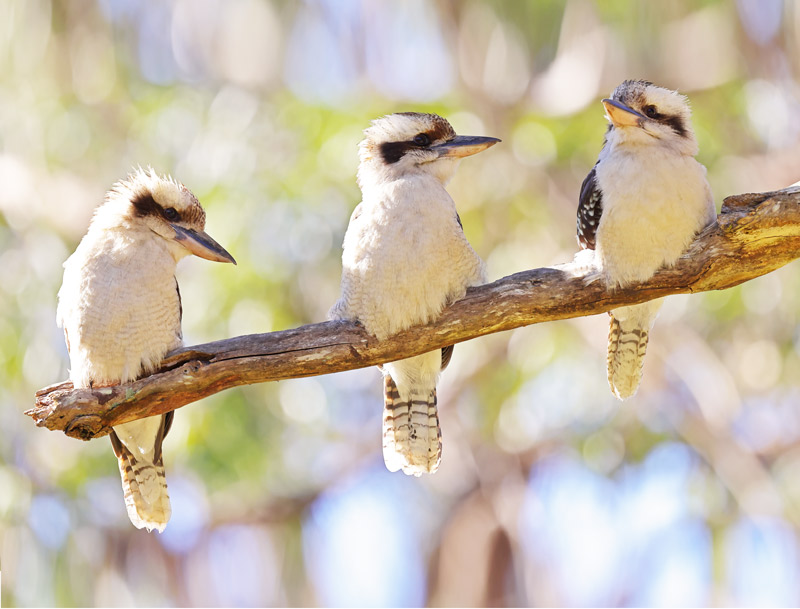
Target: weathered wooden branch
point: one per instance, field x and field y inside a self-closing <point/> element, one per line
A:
<point x="754" y="235"/>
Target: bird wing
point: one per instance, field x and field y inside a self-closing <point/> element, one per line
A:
<point x="447" y="353"/>
<point x="180" y="311"/>
<point x="162" y="433"/>
<point x="590" y="208"/>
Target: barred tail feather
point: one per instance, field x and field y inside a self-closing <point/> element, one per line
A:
<point x="144" y="486"/>
<point x="627" y="345"/>
<point x="412" y="438"/>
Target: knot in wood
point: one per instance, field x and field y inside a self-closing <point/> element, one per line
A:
<point x="85" y="427"/>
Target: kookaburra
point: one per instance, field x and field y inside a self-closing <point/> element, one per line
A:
<point x="405" y="257"/>
<point x="120" y="308"/>
<point x="640" y="207"/>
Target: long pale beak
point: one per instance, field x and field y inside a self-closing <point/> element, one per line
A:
<point x="464" y="145"/>
<point x="201" y="244"/>
<point x="621" y="115"/>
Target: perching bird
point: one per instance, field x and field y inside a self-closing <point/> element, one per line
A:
<point x="405" y="257"/>
<point x="120" y="308"/>
<point x="640" y="207"/>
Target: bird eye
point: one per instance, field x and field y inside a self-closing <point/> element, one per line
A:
<point x="650" y="111"/>
<point x="422" y="139"/>
<point x="171" y="214"/>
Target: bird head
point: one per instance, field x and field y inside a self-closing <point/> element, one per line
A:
<point x="408" y="143"/>
<point x="646" y="114"/>
<point x="164" y="208"/>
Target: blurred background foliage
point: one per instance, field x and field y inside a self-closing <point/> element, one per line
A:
<point x="550" y="492"/>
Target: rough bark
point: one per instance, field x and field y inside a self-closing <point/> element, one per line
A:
<point x="754" y="235"/>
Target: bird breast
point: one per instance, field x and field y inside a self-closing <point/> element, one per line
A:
<point x="120" y="308"/>
<point x="653" y="205"/>
<point x="405" y="256"/>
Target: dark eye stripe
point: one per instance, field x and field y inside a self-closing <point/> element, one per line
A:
<point x="391" y="152"/>
<point x="676" y="123"/>
<point x="145" y="205"/>
<point x="673" y="121"/>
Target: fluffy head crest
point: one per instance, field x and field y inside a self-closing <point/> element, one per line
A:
<point x="406" y="125"/>
<point x="145" y="193"/>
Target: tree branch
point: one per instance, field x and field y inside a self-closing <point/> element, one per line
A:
<point x="754" y="235"/>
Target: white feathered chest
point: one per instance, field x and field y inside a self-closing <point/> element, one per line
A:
<point x="119" y="306"/>
<point x="405" y="256"/>
<point x="654" y="202"/>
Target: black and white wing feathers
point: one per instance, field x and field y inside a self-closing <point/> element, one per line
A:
<point x="590" y="208"/>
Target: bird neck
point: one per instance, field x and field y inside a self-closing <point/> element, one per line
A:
<point x="139" y="241"/>
<point x="373" y="172"/>
<point x="410" y="199"/>
<point x="402" y="186"/>
<point x="634" y="139"/>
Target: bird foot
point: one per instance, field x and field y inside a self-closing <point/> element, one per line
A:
<point x="586" y="266"/>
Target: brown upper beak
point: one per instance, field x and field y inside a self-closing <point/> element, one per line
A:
<point x="464" y="145"/>
<point x="201" y="244"/>
<point x="621" y="115"/>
